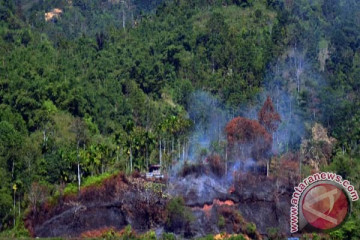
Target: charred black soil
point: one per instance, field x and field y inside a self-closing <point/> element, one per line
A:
<point x="214" y="206"/>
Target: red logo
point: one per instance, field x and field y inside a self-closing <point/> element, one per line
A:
<point x="325" y="206"/>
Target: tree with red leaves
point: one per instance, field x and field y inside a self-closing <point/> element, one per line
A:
<point x="268" y="117"/>
<point x="248" y="138"/>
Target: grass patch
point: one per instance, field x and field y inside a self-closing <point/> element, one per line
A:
<point x="95" y="180"/>
<point x="72" y="188"/>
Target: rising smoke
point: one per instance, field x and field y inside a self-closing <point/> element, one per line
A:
<point x="285" y="82"/>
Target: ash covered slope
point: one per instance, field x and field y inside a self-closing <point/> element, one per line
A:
<point x="262" y="200"/>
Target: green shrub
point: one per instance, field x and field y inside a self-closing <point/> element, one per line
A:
<point x="110" y="235"/>
<point x="150" y="235"/>
<point x="237" y="237"/>
<point x="71" y="188"/>
<point x="221" y="222"/>
<point x="207" y="237"/>
<point x="251" y="229"/>
<point x="128" y="233"/>
<point x="19" y="231"/>
<point x="274" y="234"/>
<point x="316" y="236"/>
<point x="95" y="180"/>
<point x="168" y="236"/>
<point x="178" y="215"/>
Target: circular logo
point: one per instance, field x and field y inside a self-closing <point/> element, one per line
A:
<point x="325" y="206"/>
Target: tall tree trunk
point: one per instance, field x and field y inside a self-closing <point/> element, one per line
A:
<point x="123" y="15"/>
<point x="44" y="136"/>
<point x="79" y="179"/>
<point x="78" y="165"/>
<point x="147" y="156"/>
<point x="14" y="208"/>
<point x="117" y="154"/>
<point x="160" y="153"/>
<point x="131" y="160"/>
<point x="132" y="18"/>
<point x="164" y="143"/>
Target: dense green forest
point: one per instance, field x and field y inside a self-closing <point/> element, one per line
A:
<point x="108" y="84"/>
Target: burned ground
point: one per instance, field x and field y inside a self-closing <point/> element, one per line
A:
<point x="118" y="202"/>
<point x="262" y="200"/>
<point x="212" y="204"/>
